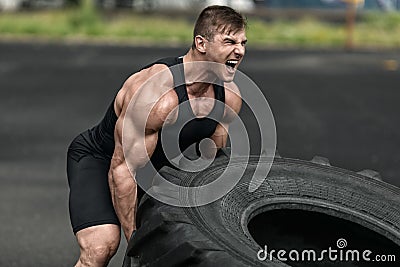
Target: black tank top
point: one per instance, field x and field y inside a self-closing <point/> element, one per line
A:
<point x="194" y="129"/>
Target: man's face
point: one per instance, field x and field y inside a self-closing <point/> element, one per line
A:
<point x="227" y="49"/>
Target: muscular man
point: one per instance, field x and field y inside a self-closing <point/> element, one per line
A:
<point x="103" y="190"/>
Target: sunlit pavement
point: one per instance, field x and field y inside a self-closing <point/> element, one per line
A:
<point x="343" y="106"/>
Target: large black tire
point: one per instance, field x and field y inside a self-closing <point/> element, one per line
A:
<point x="218" y="234"/>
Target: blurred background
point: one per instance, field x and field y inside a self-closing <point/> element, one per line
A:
<point x="247" y="5"/>
<point x="329" y="69"/>
<point x="296" y="23"/>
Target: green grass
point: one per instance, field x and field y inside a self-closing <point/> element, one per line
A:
<point x="378" y="30"/>
<point x="304" y="33"/>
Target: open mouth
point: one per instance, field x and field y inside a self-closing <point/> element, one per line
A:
<point x="231" y="63"/>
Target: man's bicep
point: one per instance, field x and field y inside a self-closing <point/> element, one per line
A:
<point x="136" y="144"/>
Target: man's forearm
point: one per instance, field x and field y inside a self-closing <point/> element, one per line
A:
<point x="124" y="196"/>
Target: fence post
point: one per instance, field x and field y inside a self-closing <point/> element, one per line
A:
<point x="351" y="11"/>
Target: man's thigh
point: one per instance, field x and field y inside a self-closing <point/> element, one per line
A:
<point x="90" y="200"/>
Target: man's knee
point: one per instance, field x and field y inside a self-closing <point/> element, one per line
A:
<point x="98" y="245"/>
<point x="98" y="255"/>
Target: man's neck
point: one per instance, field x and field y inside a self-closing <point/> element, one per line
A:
<point x="197" y="81"/>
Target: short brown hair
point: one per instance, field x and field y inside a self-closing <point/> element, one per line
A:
<point x="221" y="19"/>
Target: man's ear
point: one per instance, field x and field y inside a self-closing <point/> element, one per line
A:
<point x="200" y="43"/>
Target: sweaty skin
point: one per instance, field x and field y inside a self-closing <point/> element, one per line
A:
<point x="156" y="97"/>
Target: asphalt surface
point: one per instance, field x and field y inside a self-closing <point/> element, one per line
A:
<point x="343" y="106"/>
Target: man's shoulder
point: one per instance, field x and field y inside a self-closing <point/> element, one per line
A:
<point x="167" y="61"/>
<point x="154" y="80"/>
<point x="155" y="69"/>
<point x="156" y="87"/>
<point x="147" y="87"/>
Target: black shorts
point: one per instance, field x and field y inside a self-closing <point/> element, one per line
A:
<point x="90" y="201"/>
